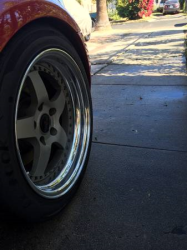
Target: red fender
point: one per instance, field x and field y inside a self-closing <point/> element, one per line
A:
<point x="14" y="15"/>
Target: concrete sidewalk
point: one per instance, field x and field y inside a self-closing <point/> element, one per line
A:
<point x="152" y="74"/>
<point x="105" y="47"/>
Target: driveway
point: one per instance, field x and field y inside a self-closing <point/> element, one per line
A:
<point x="134" y="194"/>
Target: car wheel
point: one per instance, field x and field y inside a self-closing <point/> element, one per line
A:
<point x="45" y="123"/>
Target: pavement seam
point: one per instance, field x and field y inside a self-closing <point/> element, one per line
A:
<point x="139" y="147"/>
<point x="141" y="85"/>
<point x="138" y="64"/>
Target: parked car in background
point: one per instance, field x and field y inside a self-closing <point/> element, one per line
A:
<point x="172" y="6"/>
<point x="45" y="107"/>
<point x="161" y="5"/>
<point x="94" y="18"/>
<point x="81" y="16"/>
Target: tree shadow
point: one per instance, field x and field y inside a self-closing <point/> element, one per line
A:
<point x="180" y="24"/>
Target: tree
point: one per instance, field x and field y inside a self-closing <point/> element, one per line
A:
<point x="102" y="22"/>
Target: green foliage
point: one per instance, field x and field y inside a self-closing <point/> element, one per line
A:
<point x="114" y="16"/>
<point x="184" y="6"/>
<point x="182" y="2"/>
<point x="128" y="8"/>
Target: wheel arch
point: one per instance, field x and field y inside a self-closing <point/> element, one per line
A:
<point x="75" y="37"/>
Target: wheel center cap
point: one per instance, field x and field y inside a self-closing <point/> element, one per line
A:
<point x="45" y="123"/>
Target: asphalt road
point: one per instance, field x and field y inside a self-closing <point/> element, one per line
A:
<point x="134" y="194"/>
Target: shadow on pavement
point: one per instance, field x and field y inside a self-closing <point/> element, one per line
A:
<point x="180" y="24"/>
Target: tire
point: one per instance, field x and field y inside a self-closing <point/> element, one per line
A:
<point x="45" y="123"/>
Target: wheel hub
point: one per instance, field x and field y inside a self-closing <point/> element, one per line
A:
<point x="45" y="123"/>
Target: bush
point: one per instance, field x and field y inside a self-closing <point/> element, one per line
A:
<point x="146" y="8"/>
<point x="128" y="8"/>
<point x="114" y="16"/>
<point x="134" y="9"/>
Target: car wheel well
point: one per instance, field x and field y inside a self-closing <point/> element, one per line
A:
<point x="67" y="31"/>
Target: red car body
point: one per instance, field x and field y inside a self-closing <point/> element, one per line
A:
<point x="16" y="15"/>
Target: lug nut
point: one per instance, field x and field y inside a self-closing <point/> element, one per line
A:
<point x="53" y="131"/>
<point x="52" y="111"/>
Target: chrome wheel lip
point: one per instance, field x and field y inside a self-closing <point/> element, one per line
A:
<point x="57" y="188"/>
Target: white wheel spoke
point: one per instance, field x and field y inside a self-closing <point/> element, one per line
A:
<point x="39" y="87"/>
<point x="41" y="158"/>
<point x="62" y="137"/>
<point x="25" y="128"/>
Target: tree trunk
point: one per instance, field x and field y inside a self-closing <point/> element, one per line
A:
<point x="102" y="22"/>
